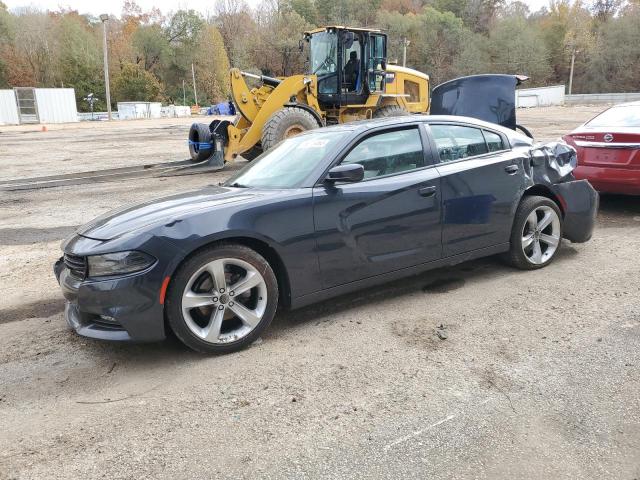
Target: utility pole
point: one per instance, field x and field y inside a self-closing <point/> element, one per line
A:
<point x="405" y="44"/>
<point x="573" y="60"/>
<point x="184" y="94"/>
<point x="193" y="75"/>
<point x="104" y="17"/>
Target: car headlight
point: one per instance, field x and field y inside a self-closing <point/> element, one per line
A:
<point x="118" y="263"/>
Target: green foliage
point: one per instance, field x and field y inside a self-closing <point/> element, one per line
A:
<point x="79" y="60"/>
<point x="134" y="83"/>
<point x="306" y="9"/>
<point x="150" y="56"/>
<point x="151" y="45"/>
<point x="212" y="67"/>
<point x="618" y="71"/>
<point x="517" y="47"/>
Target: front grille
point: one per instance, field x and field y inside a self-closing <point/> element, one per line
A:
<point x="77" y="265"/>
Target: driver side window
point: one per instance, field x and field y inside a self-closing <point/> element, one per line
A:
<point x="388" y="153"/>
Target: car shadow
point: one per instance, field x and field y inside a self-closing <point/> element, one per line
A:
<point x="438" y="281"/>
<point x="434" y="282"/>
<point x="618" y="210"/>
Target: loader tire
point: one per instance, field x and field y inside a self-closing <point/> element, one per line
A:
<point x="199" y="136"/>
<point x="390" y="111"/>
<point x="285" y="123"/>
<point x="252" y="153"/>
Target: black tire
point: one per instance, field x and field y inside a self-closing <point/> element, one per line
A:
<point x="390" y="111"/>
<point x="198" y="134"/>
<point x="286" y="123"/>
<point x="179" y="282"/>
<point x="516" y="255"/>
<point x="252" y="153"/>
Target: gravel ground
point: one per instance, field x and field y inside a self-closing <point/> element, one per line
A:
<point x="538" y="376"/>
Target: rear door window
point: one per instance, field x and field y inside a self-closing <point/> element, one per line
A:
<point x="455" y="142"/>
<point x="494" y="141"/>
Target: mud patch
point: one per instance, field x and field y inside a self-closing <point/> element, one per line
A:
<point x="40" y="309"/>
<point x="443" y="285"/>
<point x="424" y="335"/>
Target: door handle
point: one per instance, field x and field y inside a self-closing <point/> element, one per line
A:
<point x="511" y="169"/>
<point x="427" y="191"/>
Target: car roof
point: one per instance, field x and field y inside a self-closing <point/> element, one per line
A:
<point x="364" y="125"/>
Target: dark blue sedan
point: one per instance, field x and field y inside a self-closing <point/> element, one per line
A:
<point x="321" y="214"/>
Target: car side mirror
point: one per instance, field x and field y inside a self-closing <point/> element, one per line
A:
<point x="351" y="172"/>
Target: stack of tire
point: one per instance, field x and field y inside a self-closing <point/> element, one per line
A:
<point x="200" y="142"/>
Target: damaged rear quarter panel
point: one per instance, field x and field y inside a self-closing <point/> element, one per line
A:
<point x="551" y="166"/>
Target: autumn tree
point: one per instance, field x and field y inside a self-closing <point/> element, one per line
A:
<point x="212" y="66"/>
<point x="134" y="83"/>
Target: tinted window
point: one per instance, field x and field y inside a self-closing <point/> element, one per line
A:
<point x="413" y="90"/>
<point x="620" y="116"/>
<point x="388" y="153"/>
<point x="289" y="163"/>
<point x="494" y="141"/>
<point x="455" y="142"/>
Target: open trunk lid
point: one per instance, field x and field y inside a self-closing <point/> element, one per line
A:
<point x="490" y="97"/>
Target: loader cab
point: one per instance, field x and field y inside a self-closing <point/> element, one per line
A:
<point x="349" y="64"/>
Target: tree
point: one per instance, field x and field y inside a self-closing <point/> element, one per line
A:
<point x="516" y="47"/>
<point x="151" y="46"/>
<point x="619" y="72"/>
<point x="134" y="83"/>
<point x="78" y="60"/>
<point x="212" y="67"/>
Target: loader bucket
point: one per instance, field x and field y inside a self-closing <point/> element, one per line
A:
<point x="490" y="97"/>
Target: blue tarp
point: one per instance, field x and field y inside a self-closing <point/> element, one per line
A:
<point x="224" y="108"/>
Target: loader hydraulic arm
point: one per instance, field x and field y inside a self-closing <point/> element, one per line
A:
<point x="258" y="104"/>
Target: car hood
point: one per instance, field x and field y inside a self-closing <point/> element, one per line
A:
<point x="133" y="218"/>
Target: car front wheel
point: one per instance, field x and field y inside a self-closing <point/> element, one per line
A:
<point x="536" y="234"/>
<point x="221" y="299"/>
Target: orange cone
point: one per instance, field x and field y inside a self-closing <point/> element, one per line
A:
<point x="44" y="128"/>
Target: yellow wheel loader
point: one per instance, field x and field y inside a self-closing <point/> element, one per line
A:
<point x="348" y="79"/>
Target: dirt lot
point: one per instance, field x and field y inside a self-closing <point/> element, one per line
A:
<point x="539" y="376"/>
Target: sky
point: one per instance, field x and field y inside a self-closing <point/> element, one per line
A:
<point x="115" y="6"/>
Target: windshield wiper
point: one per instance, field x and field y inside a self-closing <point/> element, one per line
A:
<point x="238" y="185"/>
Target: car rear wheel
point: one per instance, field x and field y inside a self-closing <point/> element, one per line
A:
<point x="221" y="299"/>
<point x="537" y="233"/>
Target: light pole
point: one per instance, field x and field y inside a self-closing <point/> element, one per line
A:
<point x="104" y="17"/>
<point x="405" y="44"/>
<point x="573" y="61"/>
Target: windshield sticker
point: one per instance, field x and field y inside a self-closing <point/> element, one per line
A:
<point x="314" y="143"/>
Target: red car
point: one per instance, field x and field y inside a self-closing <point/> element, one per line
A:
<point x="609" y="149"/>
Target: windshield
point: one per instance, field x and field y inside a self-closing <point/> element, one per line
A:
<point x="323" y="53"/>
<point x="621" y="116"/>
<point x="289" y="163"/>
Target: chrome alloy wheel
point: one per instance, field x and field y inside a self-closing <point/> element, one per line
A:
<point x="541" y="235"/>
<point x="224" y="300"/>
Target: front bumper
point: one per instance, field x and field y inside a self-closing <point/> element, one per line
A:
<point x="580" y="203"/>
<point x="125" y="308"/>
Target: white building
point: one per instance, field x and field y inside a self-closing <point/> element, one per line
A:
<point x="38" y="105"/>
